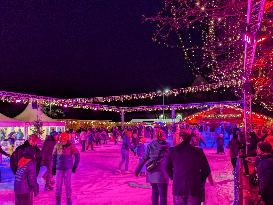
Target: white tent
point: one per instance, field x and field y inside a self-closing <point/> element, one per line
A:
<point x="29" y="115"/>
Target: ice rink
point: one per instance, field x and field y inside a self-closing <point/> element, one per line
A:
<point x="96" y="183"/>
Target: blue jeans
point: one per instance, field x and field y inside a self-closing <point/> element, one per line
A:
<point x="124" y="158"/>
<point x="159" y="190"/>
<point x="186" y="200"/>
<point x="63" y="176"/>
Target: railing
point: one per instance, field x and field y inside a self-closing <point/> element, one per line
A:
<point x="244" y="192"/>
<point x="5" y="171"/>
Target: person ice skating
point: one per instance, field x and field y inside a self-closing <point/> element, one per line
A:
<point x="17" y="154"/>
<point x="63" y="166"/>
<point x="47" y="151"/>
<point x="220" y="144"/>
<point x="25" y="183"/>
<point x="83" y="138"/>
<point x="188" y="167"/>
<point x="140" y="149"/>
<point x="125" y="147"/>
<point x="156" y="155"/>
<point x="91" y="139"/>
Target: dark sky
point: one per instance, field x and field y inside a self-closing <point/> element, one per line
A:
<point x="84" y="48"/>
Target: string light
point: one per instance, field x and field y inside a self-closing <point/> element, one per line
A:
<point x="220" y="53"/>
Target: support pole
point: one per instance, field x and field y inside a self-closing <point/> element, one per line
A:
<point x="173" y="116"/>
<point x="122" y="119"/>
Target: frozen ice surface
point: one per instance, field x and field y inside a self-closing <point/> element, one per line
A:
<point x="96" y="183"/>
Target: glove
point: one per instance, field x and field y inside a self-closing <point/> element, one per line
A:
<point x="74" y="169"/>
<point x="53" y="171"/>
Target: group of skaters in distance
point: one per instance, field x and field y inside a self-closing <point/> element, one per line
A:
<point x="160" y="159"/>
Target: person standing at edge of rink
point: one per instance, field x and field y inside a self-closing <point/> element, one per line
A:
<point x="234" y="148"/>
<point x="18" y="153"/>
<point x="188" y="167"/>
<point x="125" y="148"/>
<point x="157" y="152"/>
<point x="63" y="166"/>
<point x="264" y="166"/>
<point x="25" y="183"/>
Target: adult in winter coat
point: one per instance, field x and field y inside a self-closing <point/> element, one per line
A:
<point x="91" y="139"/>
<point x="234" y="149"/>
<point x="264" y="165"/>
<point x="18" y="153"/>
<point x="188" y="167"/>
<point x="157" y="152"/>
<point x="63" y="166"/>
<point x="252" y="146"/>
<point x="125" y="148"/>
<point x="25" y="183"/>
<point x="47" y="151"/>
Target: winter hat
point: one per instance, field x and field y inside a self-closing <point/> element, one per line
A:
<point x="29" y="153"/>
<point x="64" y="136"/>
<point x="186" y="135"/>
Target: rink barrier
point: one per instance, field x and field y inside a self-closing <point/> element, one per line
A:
<point x="244" y="192"/>
<point x="6" y="174"/>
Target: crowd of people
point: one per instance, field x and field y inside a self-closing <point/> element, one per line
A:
<point x="160" y="160"/>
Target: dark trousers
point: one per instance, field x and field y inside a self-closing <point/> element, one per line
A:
<point x="159" y="190"/>
<point x="268" y="201"/>
<point x="233" y="162"/>
<point x="90" y="144"/>
<point x="124" y="158"/>
<point x="24" y="199"/>
<point x="186" y="200"/>
<point x="83" y="145"/>
<point x="245" y="166"/>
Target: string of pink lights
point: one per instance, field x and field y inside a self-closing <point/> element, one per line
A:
<point x="88" y="103"/>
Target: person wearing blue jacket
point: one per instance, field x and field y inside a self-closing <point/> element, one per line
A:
<point x="63" y="166"/>
<point x="25" y="183"/>
<point x="157" y="151"/>
<point x="125" y="148"/>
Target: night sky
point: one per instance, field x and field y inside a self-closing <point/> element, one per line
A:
<point x="85" y="49"/>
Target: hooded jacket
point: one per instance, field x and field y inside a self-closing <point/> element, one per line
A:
<point x="156" y="150"/>
<point x="18" y="154"/>
<point x="47" y="150"/>
<point x="265" y="175"/>
<point x="25" y="178"/>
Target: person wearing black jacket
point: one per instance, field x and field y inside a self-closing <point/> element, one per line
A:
<point x="18" y="153"/>
<point x="188" y="167"/>
<point x="264" y="166"/>
<point x="25" y="183"/>
<point x="47" y="151"/>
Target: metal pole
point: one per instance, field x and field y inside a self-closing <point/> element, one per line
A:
<point x="122" y="119"/>
<point x="173" y="116"/>
<point x="163" y="105"/>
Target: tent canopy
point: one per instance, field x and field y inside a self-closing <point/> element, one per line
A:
<point x="31" y="115"/>
<point x="224" y="113"/>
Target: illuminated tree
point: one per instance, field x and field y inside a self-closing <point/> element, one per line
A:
<point x="210" y="33"/>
